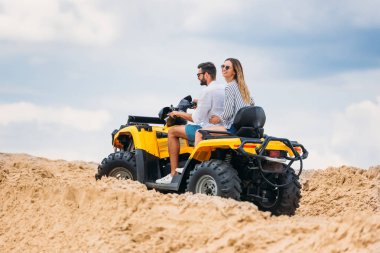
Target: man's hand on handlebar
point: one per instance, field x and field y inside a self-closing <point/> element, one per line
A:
<point x="174" y="114"/>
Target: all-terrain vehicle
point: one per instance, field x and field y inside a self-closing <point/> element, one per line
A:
<point x="248" y="166"/>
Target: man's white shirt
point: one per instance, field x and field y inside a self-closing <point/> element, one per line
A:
<point x="210" y="102"/>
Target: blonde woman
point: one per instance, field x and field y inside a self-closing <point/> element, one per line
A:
<point x="236" y="96"/>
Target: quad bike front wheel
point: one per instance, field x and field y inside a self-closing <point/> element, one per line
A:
<point x="121" y="165"/>
<point x="215" y="178"/>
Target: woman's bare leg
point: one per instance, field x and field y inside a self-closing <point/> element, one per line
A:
<point x="198" y="136"/>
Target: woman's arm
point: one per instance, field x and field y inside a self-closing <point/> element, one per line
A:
<point x="229" y="105"/>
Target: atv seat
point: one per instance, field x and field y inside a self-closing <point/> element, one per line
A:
<point x="249" y="122"/>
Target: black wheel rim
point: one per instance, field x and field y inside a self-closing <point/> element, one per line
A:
<point x="206" y="185"/>
<point x="121" y="173"/>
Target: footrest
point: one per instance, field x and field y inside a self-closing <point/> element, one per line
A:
<point x="173" y="186"/>
<point x="168" y="187"/>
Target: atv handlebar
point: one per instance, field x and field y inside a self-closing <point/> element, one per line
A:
<point x="184" y="104"/>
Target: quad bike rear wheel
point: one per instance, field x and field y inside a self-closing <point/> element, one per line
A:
<point x="215" y="178"/>
<point x="288" y="197"/>
<point x="121" y="165"/>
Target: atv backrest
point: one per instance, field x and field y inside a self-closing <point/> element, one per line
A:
<point x="249" y="122"/>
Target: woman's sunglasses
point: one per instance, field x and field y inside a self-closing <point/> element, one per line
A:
<point x="225" y="67"/>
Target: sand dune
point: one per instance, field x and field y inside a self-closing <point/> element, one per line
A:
<point x="57" y="206"/>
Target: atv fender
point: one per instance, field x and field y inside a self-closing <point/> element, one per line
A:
<point x="204" y="149"/>
<point x="152" y="139"/>
<point x="142" y="138"/>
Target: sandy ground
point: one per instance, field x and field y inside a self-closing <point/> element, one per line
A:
<point x="57" y="206"/>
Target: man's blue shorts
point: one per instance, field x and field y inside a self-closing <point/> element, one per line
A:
<point x="190" y="131"/>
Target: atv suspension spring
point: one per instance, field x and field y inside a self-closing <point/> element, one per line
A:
<point x="228" y="158"/>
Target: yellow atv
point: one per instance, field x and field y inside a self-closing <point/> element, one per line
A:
<point x="249" y="165"/>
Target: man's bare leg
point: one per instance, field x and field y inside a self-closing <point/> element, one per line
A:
<point x="174" y="134"/>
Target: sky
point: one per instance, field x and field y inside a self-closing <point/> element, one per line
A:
<point x="71" y="71"/>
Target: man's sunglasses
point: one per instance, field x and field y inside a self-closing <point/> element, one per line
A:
<point x="225" y="67"/>
<point x="200" y="74"/>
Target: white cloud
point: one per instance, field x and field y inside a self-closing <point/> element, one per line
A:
<point x="335" y="117"/>
<point x="90" y="23"/>
<point x="11" y="89"/>
<point x="321" y="157"/>
<point x="356" y="133"/>
<point x="363" y="13"/>
<point x="201" y="17"/>
<point x="347" y="137"/>
<point x="293" y="15"/>
<point x="153" y="64"/>
<point x="22" y="112"/>
<point x="75" y="21"/>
